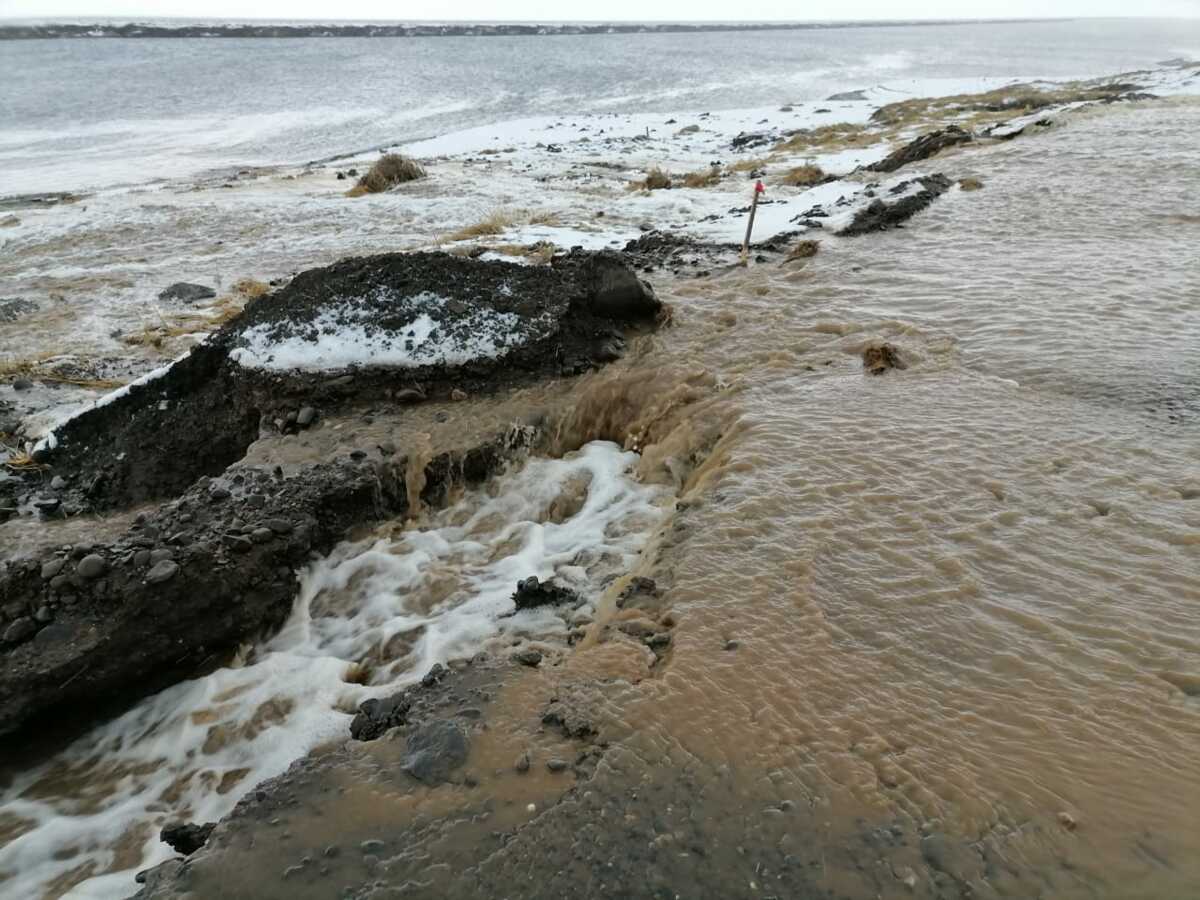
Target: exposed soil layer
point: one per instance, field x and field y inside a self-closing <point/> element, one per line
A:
<point x="882" y="215"/>
<point x="86" y="627"/>
<point x="198" y="417"/>
<point x="925" y="146"/>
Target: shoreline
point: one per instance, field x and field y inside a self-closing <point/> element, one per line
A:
<point x="559" y="710"/>
<point x="55" y="31"/>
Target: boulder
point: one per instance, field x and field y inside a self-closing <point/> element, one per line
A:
<point x="434" y="751"/>
<point x="183" y="292"/>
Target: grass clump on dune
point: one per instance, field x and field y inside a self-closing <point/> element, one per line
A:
<point x="703" y="178"/>
<point x="493" y="224"/>
<point x="656" y="180"/>
<point x="839" y="136"/>
<point x="804" y="176"/>
<point x="388" y="171"/>
<point x="748" y="165"/>
<point x="804" y="250"/>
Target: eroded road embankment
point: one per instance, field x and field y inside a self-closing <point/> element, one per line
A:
<point x="90" y="627"/>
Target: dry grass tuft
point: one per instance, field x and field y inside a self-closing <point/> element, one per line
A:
<point x="838" y="136"/>
<point x="970" y="184"/>
<point x="251" y="289"/>
<point x="988" y="106"/>
<point x="388" y="171"/>
<point x="21" y="461"/>
<point x="222" y="310"/>
<point x="495" y="223"/>
<point x="544" y="217"/>
<point x="656" y="180"/>
<point x="804" y="176"/>
<point x="35" y="370"/>
<point x="804" y="250"/>
<point x="703" y="178"/>
<point x="748" y="165"/>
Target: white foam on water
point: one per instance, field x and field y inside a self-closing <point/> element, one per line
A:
<point x="290" y="693"/>
<point x="346" y="336"/>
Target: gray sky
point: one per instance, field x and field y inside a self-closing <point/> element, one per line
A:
<point x="607" y="10"/>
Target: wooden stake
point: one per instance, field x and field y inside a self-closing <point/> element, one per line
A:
<point x="758" y="189"/>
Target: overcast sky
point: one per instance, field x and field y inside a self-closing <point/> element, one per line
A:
<point x="606" y="10"/>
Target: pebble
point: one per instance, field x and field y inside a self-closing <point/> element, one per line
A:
<point x="523" y="761"/>
<point x="141" y="558"/>
<point x="44" y="614"/>
<point x="22" y="384"/>
<point x="531" y="808"/>
<point x="58" y="483"/>
<point x="52" y="568"/>
<point x="92" y="566"/>
<point x="162" y="571"/>
<point x="556" y="764"/>
<point x="261" y="535"/>
<point x="306" y="416"/>
<point x="1067" y="821"/>
<point x="157" y="556"/>
<point x="279" y="526"/>
<point x="219" y="493"/>
<point x="19" y="630"/>
<point x="458" y="395"/>
<point x="371" y="846"/>
<point x="731" y="645"/>
<point x="409" y="395"/>
<point x="358" y="454"/>
<point x="530" y="657"/>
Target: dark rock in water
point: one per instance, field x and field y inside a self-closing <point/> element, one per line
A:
<point x="531" y="658"/>
<point x="613" y="289"/>
<point x="881" y="215"/>
<point x="376" y="717"/>
<point x="531" y="593"/>
<point x="13" y="309"/>
<point x="922" y="148"/>
<point x="878" y="358"/>
<point x="22" y="384"/>
<point x="434" y="751"/>
<point x="184" y="292"/>
<point x="185" y="837"/>
<point x="848" y="95"/>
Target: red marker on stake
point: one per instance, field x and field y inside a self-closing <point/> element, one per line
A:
<point x="758" y="189"/>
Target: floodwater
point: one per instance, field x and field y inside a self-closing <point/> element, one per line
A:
<point x="934" y="633"/>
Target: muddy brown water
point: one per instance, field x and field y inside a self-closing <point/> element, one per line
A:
<point x="935" y="632"/>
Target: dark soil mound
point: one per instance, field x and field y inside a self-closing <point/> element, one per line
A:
<point x="925" y="146"/>
<point x="882" y="215"/>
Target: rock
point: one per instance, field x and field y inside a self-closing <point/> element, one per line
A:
<point x="531" y="593"/>
<point x="375" y="717"/>
<point x="186" y="838"/>
<point x="731" y="645"/>
<point x="92" y="566"/>
<point x="142" y="558"/>
<point x="306" y="416"/>
<point x="925" y="146"/>
<point x="878" y="358"/>
<point x="847" y="95"/>
<point x="22" y="384"/>
<point x="934" y="851"/>
<point x="162" y="571"/>
<point x="522" y="763"/>
<point x="615" y="291"/>
<point x="658" y="641"/>
<point x="279" y="526"/>
<point x="157" y="556"/>
<point x="19" y="630"/>
<point x="556" y="764"/>
<point x="530" y="657"/>
<point x="1067" y="821"/>
<point x="372" y="846"/>
<point x="53" y="567"/>
<point x="409" y="395"/>
<point x="184" y="292"/>
<point x="458" y="395"/>
<point x="262" y="535"/>
<point x="434" y="751"/>
<point x="44" y="615"/>
<point x="58" y="483"/>
<point x="969" y="184"/>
